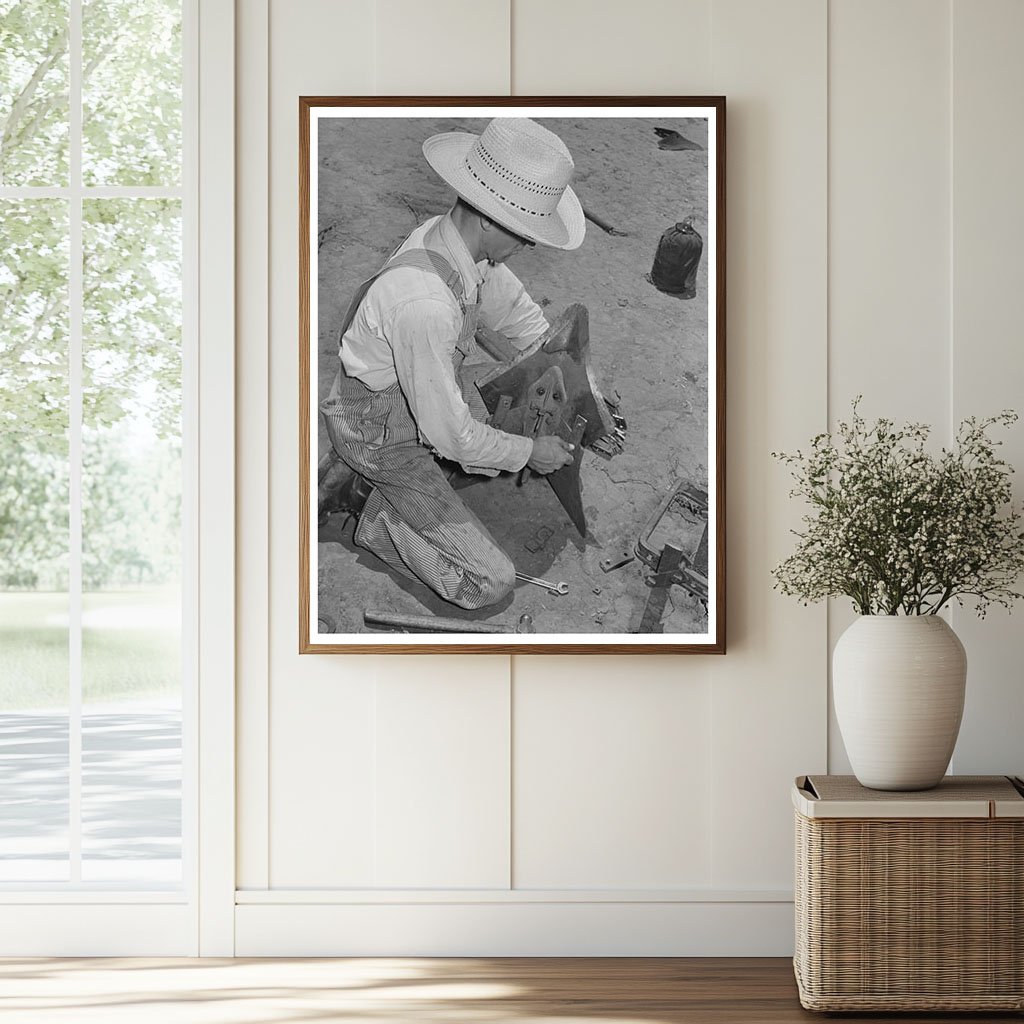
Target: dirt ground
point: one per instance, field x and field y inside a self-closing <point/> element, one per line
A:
<point x="374" y="187"/>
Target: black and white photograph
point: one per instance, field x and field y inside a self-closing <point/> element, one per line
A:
<point x="512" y="375"/>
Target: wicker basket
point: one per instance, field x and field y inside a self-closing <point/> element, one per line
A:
<point x="910" y="901"/>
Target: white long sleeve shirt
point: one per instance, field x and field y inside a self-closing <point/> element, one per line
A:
<point x="406" y="329"/>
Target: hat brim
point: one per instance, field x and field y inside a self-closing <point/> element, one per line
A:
<point x="563" y="229"/>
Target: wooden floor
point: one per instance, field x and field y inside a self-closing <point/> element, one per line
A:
<point x="413" y="991"/>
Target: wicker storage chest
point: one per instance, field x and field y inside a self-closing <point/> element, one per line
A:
<point x="910" y="901"/>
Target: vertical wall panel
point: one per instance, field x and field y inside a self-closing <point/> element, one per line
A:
<point x="987" y="364"/>
<point x="215" y="477"/>
<point x="442" y="775"/>
<point x="252" y="186"/>
<point x="889" y="248"/>
<point x="612" y="775"/>
<point x="326" y="733"/>
<point x="442" y="48"/>
<point x="443" y="724"/>
<point x="576" y="47"/>
<point x="611" y="755"/>
<point x="325" y="728"/>
<point x="323" y="777"/>
<point x="321" y="720"/>
<point x="769" y="692"/>
<point x="889" y="208"/>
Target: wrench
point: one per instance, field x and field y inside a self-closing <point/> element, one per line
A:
<point x="551" y="588"/>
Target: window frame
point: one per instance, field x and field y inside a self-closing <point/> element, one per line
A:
<point x="75" y="918"/>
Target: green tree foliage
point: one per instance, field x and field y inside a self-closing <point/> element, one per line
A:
<point x="33" y="515"/>
<point x="131" y="92"/>
<point x="33" y="92"/>
<point x="132" y="313"/>
<point x="34" y="321"/>
<point x="131" y="278"/>
<point x="131" y="509"/>
<point x="33" y="392"/>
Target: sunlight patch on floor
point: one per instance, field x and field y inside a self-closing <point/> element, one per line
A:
<point x="220" y="991"/>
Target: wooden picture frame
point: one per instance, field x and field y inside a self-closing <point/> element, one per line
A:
<point x="644" y="361"/>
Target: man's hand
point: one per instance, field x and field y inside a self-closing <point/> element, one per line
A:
<point x="549" y="453"/>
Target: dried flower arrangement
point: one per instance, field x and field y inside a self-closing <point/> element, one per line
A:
<point x="900" y="530"/>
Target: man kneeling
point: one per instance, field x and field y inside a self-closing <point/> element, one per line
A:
<point x="396" y="401"/>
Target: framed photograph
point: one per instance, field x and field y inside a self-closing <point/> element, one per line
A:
<point x="512" y="375"/>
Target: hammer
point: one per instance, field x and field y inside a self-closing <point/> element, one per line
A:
<point x="439" y="624"/>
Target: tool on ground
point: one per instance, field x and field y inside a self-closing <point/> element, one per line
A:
<point x="610" y="564"/>
<point x="602" y="223"/>
<point x="551" y="588"/>
<point x="682" y="521"/>
<point x="650" y="622"/>
<point x="567" y="347"/>
<point x="440" y="624"/>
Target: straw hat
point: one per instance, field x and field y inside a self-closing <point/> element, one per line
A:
<point x="517" y="173"/>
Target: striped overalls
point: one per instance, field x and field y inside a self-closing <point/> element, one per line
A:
<point x="413" y="520"/>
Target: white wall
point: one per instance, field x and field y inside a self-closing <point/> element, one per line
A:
<point x="546" y="805"/>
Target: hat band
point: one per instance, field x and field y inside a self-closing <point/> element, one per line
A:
<point x="505" y="199"/>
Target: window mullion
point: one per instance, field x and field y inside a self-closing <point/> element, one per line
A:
<point x="190" y="447"/>
<point x="94" y="191"/>
<point x="75" y="303"/>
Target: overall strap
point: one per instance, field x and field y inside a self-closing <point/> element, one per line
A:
<point x="419" y="259"/>
<point x="432" y="262"/>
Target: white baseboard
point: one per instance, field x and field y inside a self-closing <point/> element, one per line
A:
<point x="514" y="928"/>
<point x="99" y="928"/>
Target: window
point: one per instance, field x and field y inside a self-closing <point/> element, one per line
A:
<point x="95" y="454"/>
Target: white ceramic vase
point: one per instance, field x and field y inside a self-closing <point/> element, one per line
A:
<point x="898" y="684"/>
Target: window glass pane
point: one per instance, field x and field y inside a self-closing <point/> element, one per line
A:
<point x="131" y="761"/>
<point x="33" y="92"/>
<point x="34" y="495"/>
<point x="131" y="541"/>
<point x="34" y="787"/>
<point x="131" y="92"/>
